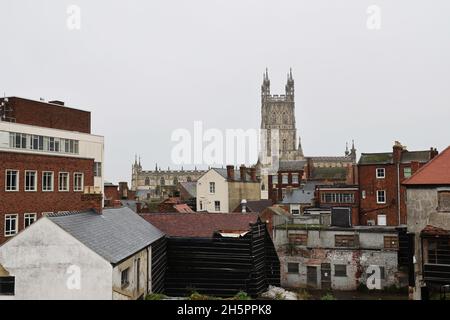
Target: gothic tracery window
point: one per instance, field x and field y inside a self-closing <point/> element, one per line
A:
<point x="147" y="181"/>
<point x="284" y="144"/>
<point x="162" y="181"/>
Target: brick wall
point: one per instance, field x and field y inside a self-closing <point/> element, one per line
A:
<point x="47" y="115"/>
<point x="22" y="202"/>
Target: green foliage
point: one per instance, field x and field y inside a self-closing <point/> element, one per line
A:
<point x="328" y="296"/>
<point x="241" y="295"/>
<point x="155" y="296"/>
<point x="197" y="296"/>
<point x="303" y="295"/>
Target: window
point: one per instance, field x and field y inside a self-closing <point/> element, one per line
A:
<point x="98" y="169"/>
<point x="381" y="173"/>
<point x="346" y="241"/>
<point x="7" y="285"/>
<point x="29" y="218"/>
<point x="407" y="172"/>
<point x="275" y="179"/>
<point x="381" y="196"/>
<point x="212" y="187"/>
<point x="437" y="250"/>
<point x="124" y="278"/>
<point x="12" y="180"/>
<point x="11" y="226"/>
<point x="30" y="180"/>
<point x="147" y="181"/>
<point x="338" y="197"/>
<point x="340" y="270"/>
<point x="42" y="143"/>
<point x="292" y="267"/>
<point x="363" y="194"/>
<point x="47" y="181"/>
<point x="78" y="181"/>
<point x="295" y="212"/>
<point x="201" y="205"/>
<point x="298" y="239"/>
<point x="295" y="178"/>
<point x="381" y="220"/>
<point x="444" y="200"/>
<point x="63" y="181"/>
<point x="285" y="179"/>
<point x="217" y="205"/>
<point x="391" y="242"/>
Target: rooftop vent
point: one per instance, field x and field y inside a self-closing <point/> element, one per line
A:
<point x="60" y="103"/>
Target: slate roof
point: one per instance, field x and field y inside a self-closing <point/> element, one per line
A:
<point x="304" y="195"/>
<point x="291" y="165"/>
<point x="190" y="187"/>
<point x="237" y="174"/>
<point x="200" y="225"/>
<point x="115" y="234"/>
<point x="435" y="172"/>
<point x="388" y="157"/>
<point x="255" y="205"/>
<point x="329" y="173"/>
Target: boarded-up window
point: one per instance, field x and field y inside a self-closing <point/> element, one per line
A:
<point x="340" y="270"/>
<point x="298" y="239"/>
<point x="346" y="240"/>
<point x="7" y="285"/>
<point x="391" y="242"/>
<point x="292" y="267"/>
<point x="444" y="200"/>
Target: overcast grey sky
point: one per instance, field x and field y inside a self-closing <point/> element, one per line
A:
<point x="146" y="68"/>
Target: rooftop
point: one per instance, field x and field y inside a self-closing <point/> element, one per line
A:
<point x="200" y="225"/>
<point x="115" y="234"/>
<point x="388" y="157"/>
<point x="435" y="172"/>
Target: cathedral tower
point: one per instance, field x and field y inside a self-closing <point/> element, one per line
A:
<point x="278" y="115"/>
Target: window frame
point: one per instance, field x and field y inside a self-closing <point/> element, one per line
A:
<point x="25" y="219"/>
<point x="289" y="271"/>
<point x="17" y="180"/>
<point x="215" y="205"/>
<point x="212" y="187"/>
<point x="125" y="281"/>
<point x="404" y="172"/>
<point x="377" y="173"/>
<point x="67" y="184"/>
<point x="16" y="216"/>
<point x="378" y="197"/>
<point x="98" y="169"/>
<point x="75" y="180"/>
<point x="339" y="273"/>
<point x="3" y="278"/>
<point x="52" y="181"/>
<point x="35" y="180"/>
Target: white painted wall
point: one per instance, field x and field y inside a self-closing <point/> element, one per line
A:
<point x="207" y="198"/>
<point x="39" y="258"/>
<point x="90" y="146"/>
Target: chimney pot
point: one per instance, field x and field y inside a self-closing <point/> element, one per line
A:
<point x="230" y="172"/>
<point x="243" y="172"/>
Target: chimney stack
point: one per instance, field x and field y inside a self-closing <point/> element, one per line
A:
<point x="253" y="174"/>
<point x="397" y="152"/>
<point x="433" y="152"/>
<point x="230" y="172"/>
<point x="414" y="166"/>
<point x="243" y="172"/>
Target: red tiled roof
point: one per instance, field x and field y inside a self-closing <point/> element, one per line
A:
<point x="434" y="231"/>
<point x="183" y="208"/>
<point x="199" y="225"/>
<point x="435" y="172"/>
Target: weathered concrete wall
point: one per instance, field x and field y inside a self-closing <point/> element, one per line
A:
<point x="41" y="259"/>
<point x="133" y="290"/>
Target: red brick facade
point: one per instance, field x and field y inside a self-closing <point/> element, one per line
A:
<point x="49" y="115"/>
<point x="276" y="189"/>
<point x="321" y="200"/>
<point x="21" y="201"/>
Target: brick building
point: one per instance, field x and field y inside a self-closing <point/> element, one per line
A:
<point x="380" y="178"/>
<point x="50" y="162"/>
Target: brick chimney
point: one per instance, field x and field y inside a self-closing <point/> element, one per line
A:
<point x="230" y="172"/>
<point x="243" y="171"/>
<point x="93" y="201"/>
<point x="433" y="152"/>
<point x="253" y="174"/>
<point x="397" y="152"/>
<point x="123" y="190"/>
<point x="414" y="166"/>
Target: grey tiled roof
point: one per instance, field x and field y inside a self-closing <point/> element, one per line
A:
<point x="387" y="157"/>
<point x="304" y="195"/>
<point x="291" y="165"/>
<point x="115" y="235"/>
<point x="237" y="174"/>
<point x="190" y="187"/>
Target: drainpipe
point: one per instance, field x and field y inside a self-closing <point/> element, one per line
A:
<point x="398" y="192"/>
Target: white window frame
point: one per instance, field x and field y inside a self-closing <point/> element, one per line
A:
<point x="17" y="180"/>
<point x="35" y="181"/>
<point x="215" y="205"/>
<point x="81" y="188"/>
<point x="295" y="178"/>
<point x="378" y="197"/>
<point x="98" y="167"/>
<point x="275" y="179"/>
<point x="378" y="219"/>
<point x="26" y="217"/>
<point x="16" y="217"/>
<point x="284" y="179"/>
<point x="404" y="171"/>
<point x="382" y="170"/>
<point x="53" y="181"/>
<point x="212" y="188"/>
<point x="67" y="189"/>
